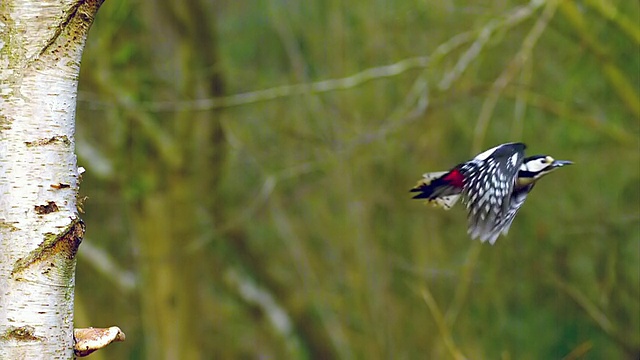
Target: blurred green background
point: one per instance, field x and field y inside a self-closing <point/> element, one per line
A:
<point x="248" y="167"/>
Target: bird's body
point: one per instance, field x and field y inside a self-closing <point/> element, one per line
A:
<point x="493" y="185"/>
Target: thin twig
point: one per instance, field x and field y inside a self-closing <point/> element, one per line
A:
<point x="587" y="305"/>
<point x="292" y="90"/>
<point x="161" y="140"/>
<point x="609" y="11"/>
<point x="563" y="111"/>
<point x="520" y="103"/>
<point x="619" y="81"/>
<point x="580" y="351"/>
<point x="262" y="298"/>
<point x="511" y="19"/>
<point x="124" y="280"/>
<point x="237" y="221"/>
<point x="464" y="284"/>
<point x="508" y="74"/>
<point x="441" y="324"/>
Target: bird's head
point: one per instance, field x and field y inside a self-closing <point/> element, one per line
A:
<point x="535" y="167"/>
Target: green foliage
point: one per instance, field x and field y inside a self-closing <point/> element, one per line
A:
<point x="310" y="202"/>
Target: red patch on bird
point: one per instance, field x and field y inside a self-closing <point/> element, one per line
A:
<point x="454" y="178"/>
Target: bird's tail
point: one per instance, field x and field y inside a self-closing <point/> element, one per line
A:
<point x="440" y="189"/>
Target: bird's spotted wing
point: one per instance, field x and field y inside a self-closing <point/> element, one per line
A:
<point x="517" y="199"/>
<point x="489" y="182"/>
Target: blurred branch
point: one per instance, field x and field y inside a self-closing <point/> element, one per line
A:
<point x="516" y="64"/>
<point x="292" y="90"/>
<point x="442" y="325"/>
<point x="420" y="62"/>
<point x="599" y="317"/>
<point x="608" y="11"/>
<point x="564" y="111"/>
<point x="97" y="163"/>
<point x="279" y="15"/>
<point x="587" y="305"/>
<point x="418" y="97"/>
<point x="163" y="143"/>
<point x="104" y="264"/>
<point x="482" y="36"/>
<point x="414" y="105"/>
<point x="616" y="77"/>
<point x="580" y="351"/>
<point x="277" y="315"/>
<point x="236" y="221"/>
<point x="412" y="269"/>
<point x="464" y="284"/>
<point x="417" y="100"/>
<point x="520" y="104"/>
<point x="333" y="327"/>
<point x="277" y="92"/>
<point x="278" y="12"/>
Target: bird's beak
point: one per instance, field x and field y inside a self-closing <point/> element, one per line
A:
<point x="561" y="163"/>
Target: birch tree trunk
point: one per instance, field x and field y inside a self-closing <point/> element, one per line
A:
<point x="41" y="45"/>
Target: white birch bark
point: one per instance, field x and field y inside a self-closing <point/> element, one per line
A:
<point x="41" y="45"/>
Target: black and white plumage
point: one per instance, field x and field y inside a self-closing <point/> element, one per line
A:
<point x="493" y="185"/>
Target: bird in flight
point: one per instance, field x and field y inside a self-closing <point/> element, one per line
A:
<point x="493" y="186"/>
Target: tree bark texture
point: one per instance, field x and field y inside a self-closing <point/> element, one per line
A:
<point x="41" y="46"/>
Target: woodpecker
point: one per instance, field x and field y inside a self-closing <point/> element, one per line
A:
<point x="493" y="186"/>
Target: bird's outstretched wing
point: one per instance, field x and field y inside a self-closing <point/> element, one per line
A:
<point x="488" y="186"/>
<point x="517" y="199"/>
